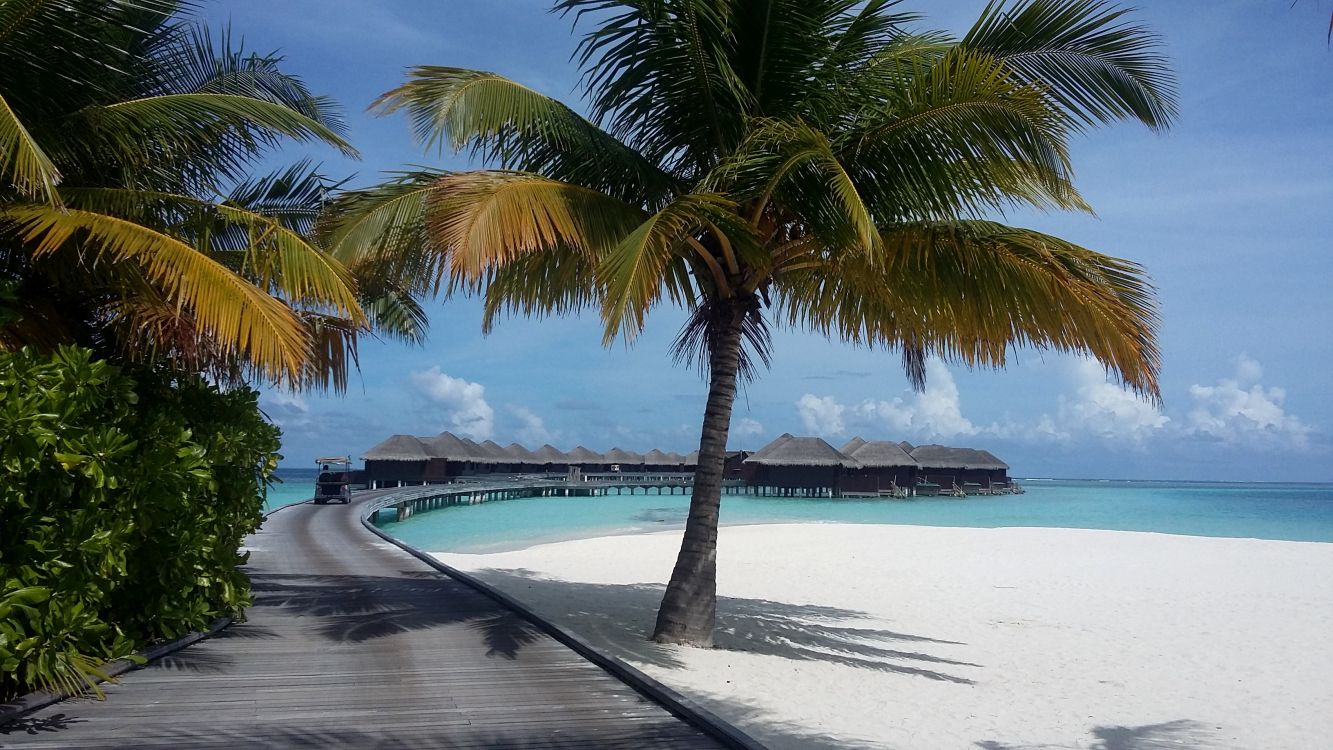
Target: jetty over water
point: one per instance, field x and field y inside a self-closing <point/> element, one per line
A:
<point x="354" y="643"/>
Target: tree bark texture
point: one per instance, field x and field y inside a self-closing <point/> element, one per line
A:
<point x="689" y="607"/>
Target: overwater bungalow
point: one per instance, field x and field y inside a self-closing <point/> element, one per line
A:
<point x="798" y="467"/>
<point x="400" y="459"/>
<point x="966" y="469"/>
<point x="883" y="468"/>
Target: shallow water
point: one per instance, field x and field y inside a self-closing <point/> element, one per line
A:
<point x="1293" y="512"/>
<point x="296" y="486"/>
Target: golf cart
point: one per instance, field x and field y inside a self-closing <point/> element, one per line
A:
<point x="331" y="484"/>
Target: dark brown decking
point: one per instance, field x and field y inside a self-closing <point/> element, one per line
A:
<point x="353" y="643"/>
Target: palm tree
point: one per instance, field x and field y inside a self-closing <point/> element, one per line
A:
<point x="128" y="221"/>
<point x="812" y="163"/>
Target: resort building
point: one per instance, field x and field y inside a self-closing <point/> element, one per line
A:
<point x="789" y="466"/>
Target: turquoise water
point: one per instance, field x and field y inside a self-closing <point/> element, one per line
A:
<point x="297" y="485"/>
<point x="1295" y="512"/>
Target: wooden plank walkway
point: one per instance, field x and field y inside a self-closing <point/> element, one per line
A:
<point x="352" y="643"/>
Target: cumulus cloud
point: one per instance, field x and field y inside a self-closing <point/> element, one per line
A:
<point x="821" y="415"/>
<point x="1241" y="409"/>
<point x="1102" y="409"/>
<point x="532" y="428"/>
<point x="936" y="412"/>
<point x="746" y="427"/>
<point x="463" y="402"/>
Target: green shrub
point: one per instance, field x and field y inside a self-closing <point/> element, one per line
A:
<point x="124" y="498"/>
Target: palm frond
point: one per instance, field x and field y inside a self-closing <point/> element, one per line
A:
<point x="192" y="60"/>
<point x="384" y="225"/>
<point x="660" y="76"/>
<point x="275" y="258"/>
<point x="487" y="219"/>
<point x="178" y="120"/>
<point x="1087" y="56"/>
<point x="971" y="291"/>
<point x="695" y="343"/>
<point x="649" y="260"/>
<point x="962" y="140"/>
<point x="512" y="127"/>
<point x="22" y="161"/>
<point x="240" y="317"/>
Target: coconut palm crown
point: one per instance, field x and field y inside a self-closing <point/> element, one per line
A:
<point x="809" y="163"/>
<point x="129" y="219"/>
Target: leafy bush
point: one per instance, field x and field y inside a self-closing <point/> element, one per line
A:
<point x="124" y="498"/>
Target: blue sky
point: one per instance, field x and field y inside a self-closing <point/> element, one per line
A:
<point x="1229" y="211"/>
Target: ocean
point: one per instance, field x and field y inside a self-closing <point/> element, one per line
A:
<point x="294" y="486"/>
<point x="1293" y="512"/>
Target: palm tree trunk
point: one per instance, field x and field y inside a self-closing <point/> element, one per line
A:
<point x="689" y="607"/>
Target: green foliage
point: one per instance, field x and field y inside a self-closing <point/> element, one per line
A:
<point x="124" y="497"/>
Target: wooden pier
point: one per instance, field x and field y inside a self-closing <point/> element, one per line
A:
<point x="353" y="643"/>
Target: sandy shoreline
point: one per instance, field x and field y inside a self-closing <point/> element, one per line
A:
<point x="852" y="636"/>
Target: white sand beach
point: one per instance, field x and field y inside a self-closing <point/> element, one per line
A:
<point x="851" y="636"/>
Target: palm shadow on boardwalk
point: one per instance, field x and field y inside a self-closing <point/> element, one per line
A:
<point x="355" y="608"/>
<point x="620" y="616"/>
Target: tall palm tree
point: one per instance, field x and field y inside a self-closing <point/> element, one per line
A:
<point x="128" y="220"/>
<point x="813" y="163"/>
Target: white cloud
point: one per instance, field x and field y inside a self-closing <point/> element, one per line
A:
<point x="746" y="427"/>
<point x="1241" y="409"/>
<point x="1103" y="409"/>
<point x="464" y="402"/>
<point x="532" y="430"/>
<point x="821" y="415"/>
<point x="936" y="412"/>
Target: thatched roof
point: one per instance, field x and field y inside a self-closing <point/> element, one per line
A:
<point x="549" y="454"/>
<point x="906" y="446"/>
<point x="497" y="451"/>
<point x="618" y="456"/>
<point x="480" y="454"/>
<point x="581" y="455"/>
<point x="691" y="458"/>
<point x="850" y="446"/>
<point x="399" y="448"/>
<point x="449" y="446"/>
<point x="881" y="454"/>
<point x="767" y="449"/>
<point x="676" y="459"/>
<point x="656" y="457"/>
<point x="801" y="451"/>
<point x="521" y="455"/>
<point x="944" y="457"/>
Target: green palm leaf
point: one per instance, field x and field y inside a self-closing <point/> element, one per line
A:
<point x="487" y="219"/>
<point x="514" y="127"/>
<point x="22" y="161"/>
<point x="276" y="257"/>
<point x="973" y="290"/>
<point x="240" y="317"/>
<point x="1093" y="62"/>
<point x="181" y="120"/>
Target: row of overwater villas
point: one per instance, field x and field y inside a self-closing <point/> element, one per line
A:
<point x="790" y="465"/>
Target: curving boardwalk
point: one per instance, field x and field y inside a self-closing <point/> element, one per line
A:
<point x="352" y="643"/>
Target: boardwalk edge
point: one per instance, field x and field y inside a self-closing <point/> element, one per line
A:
<point x="26" y="704"/>
<point x="675" y="703"/>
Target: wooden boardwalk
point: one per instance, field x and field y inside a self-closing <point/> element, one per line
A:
<point x="352" y="643"/>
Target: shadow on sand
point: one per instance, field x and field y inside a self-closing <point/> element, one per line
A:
<point x="1173" y="735"/>
<point x="619" y="617"/>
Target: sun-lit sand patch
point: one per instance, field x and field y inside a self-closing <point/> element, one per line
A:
<point x="915" y="637"/>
